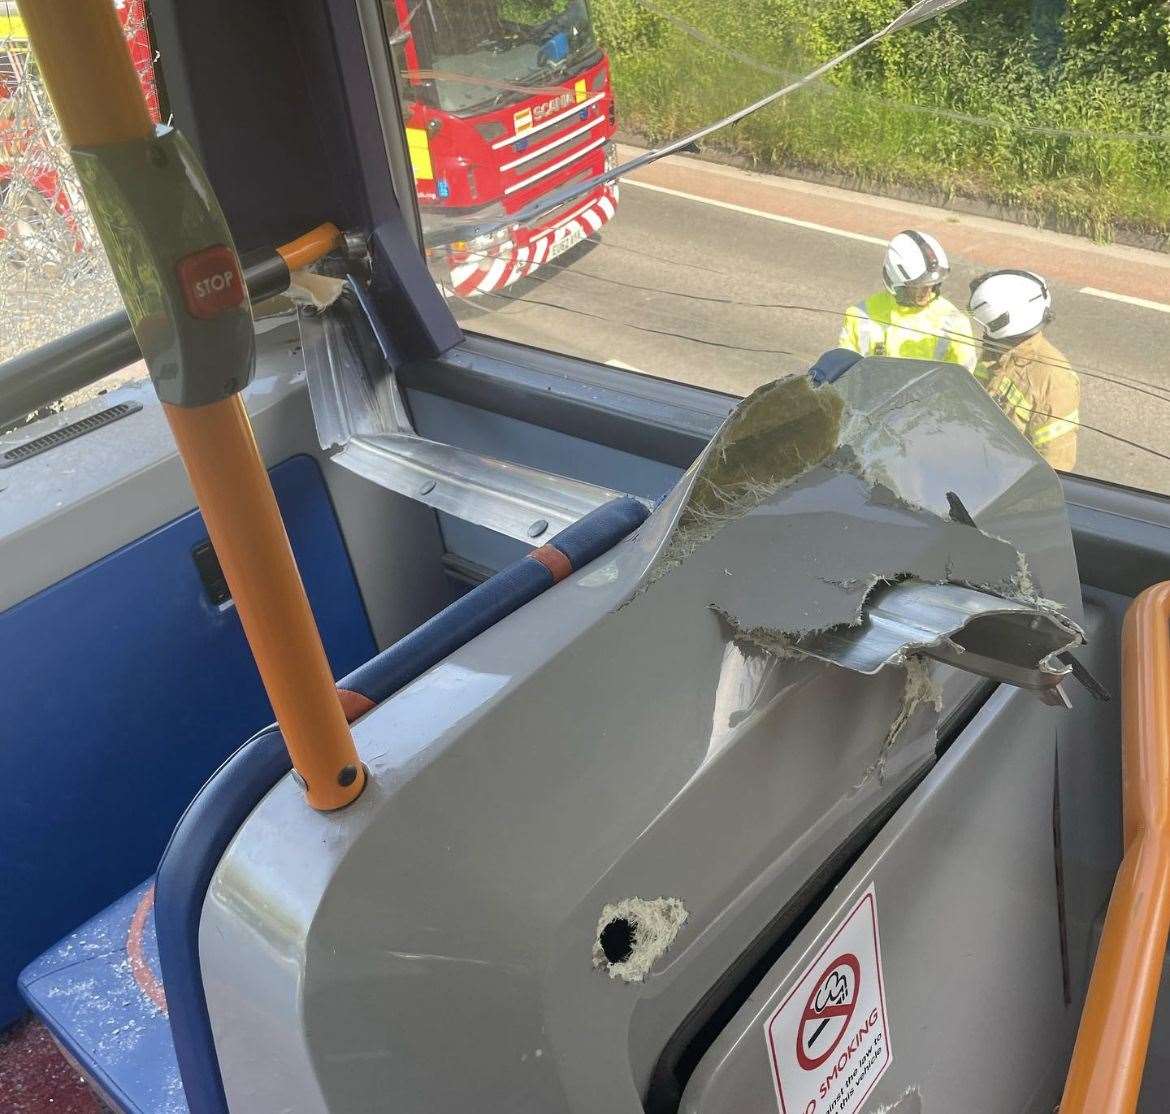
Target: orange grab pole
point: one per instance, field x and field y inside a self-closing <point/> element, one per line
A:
<point x="310" y="247"/>
<point x="1105" y="1074"/>
<point x="87" y="71"/>
<point x="260" y="568"/>
<point x="244" y="523"/>
<point x="86" y="67"/>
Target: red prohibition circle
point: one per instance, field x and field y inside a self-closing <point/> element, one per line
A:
<point x="831" y="1010"/>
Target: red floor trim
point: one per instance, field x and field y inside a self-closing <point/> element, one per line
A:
<point x="36" y="1079"/>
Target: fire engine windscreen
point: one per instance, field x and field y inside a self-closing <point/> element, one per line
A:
<point x="478" y="53"/>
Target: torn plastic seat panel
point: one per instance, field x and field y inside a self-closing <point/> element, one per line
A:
<point x="911" y="434"/>
<point x="967" y="918"/>
<point x="637" y="738"/>
<point x="820" y="567"/>
<point x="1007" y="640"/>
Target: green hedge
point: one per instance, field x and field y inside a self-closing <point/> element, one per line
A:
<point x="894" y="115"/>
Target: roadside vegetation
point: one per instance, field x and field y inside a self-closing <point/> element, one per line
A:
<point x="1060" y="108"/>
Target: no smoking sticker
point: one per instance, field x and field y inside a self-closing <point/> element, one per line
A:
<point x="829" y="1040"/>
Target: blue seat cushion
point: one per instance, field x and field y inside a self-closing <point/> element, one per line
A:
<point x="99" y="991"/>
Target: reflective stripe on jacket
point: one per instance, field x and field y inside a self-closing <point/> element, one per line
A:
<point x="936" y="331"/>
<point x="1035" y="387"/>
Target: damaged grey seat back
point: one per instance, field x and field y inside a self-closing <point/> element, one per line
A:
<point x="594" y="831"/>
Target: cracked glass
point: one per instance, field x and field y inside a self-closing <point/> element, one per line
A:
<point x="54" y="275"/>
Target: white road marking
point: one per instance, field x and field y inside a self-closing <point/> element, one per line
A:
<point x="758" y="213"/>
<point x="621" y="365"/>
<point x="1145" y="303"/>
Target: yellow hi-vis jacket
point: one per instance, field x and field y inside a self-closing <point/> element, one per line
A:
<point x="879" y="326"/>
<point x="1035" y="387"/>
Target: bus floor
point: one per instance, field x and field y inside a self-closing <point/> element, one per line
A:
<point x="35" y="1077"/>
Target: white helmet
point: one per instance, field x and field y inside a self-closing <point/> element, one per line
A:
<point x="914" y="260"/>
<point x="1010" y="304"/>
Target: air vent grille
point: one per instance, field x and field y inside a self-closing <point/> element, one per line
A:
<point x="69" y="432"/>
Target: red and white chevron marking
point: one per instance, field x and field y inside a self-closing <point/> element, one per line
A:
<point x="500" y="266"/>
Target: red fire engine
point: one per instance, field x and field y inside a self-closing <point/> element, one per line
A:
<point x="506" y="101"/>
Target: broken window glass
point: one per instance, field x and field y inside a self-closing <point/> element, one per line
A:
<point x="54" y="276"/>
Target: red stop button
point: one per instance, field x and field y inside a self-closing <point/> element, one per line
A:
<point x="211" y="281"/>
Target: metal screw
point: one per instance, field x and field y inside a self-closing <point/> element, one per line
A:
<point x="304" y="785"/>
<point x="537" y="528"/>
<point x="347" y="776"/>
<point x="427" y="488"/>
<point x="355" y="245"/>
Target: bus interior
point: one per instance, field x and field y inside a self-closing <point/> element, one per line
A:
<point x="805" y="751"/>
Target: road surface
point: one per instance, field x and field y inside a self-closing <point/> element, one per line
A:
<point x="687" y="281"/>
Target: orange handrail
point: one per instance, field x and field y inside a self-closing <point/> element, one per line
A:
<point x="1105" y="1074"/>
<point x="87" y="71"/>
<point x="310" y="247"/>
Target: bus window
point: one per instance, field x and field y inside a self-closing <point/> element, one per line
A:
<point x="1035" y="141"/>
<point x="54" y="276"/>
<point x="506" y="101"/>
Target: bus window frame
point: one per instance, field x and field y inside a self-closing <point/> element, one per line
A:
<point x="385" y="78"/>
<point x="669" y="421"/>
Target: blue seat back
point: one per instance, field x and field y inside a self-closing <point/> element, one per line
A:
<point x="124" y="686"/>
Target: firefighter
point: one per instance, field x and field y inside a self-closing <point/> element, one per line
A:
<point x="1026" y="375"/>
<point x="911" y="318"/>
